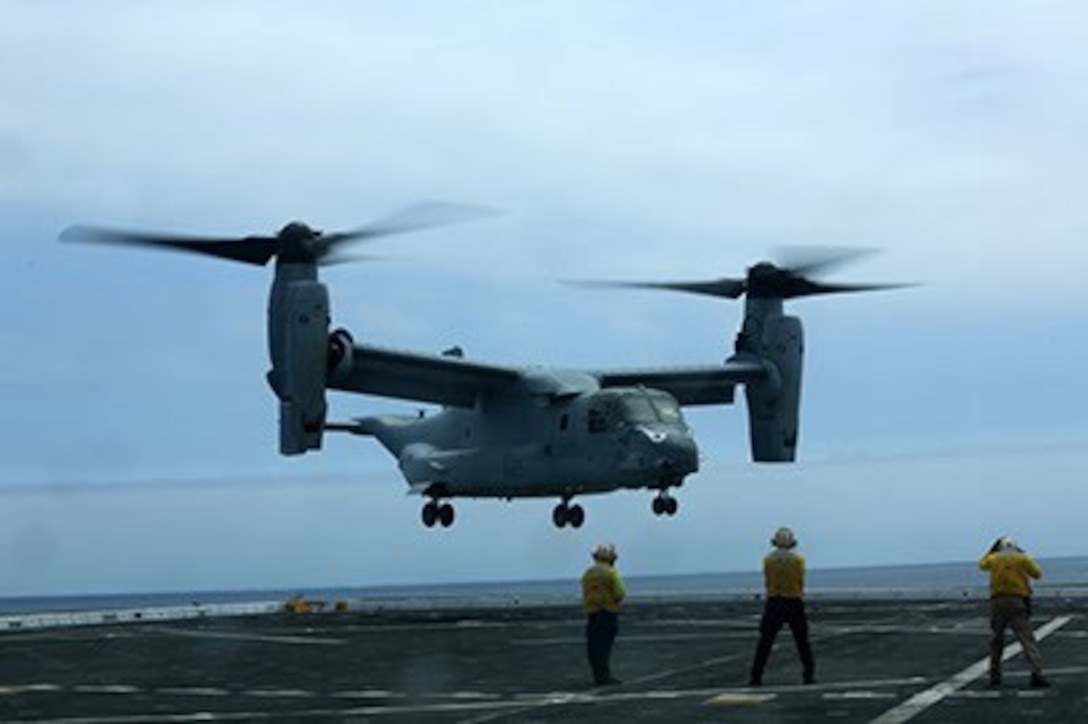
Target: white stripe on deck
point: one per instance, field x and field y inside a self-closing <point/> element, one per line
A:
<point x="918" y="703"/>
<point x="262" y="638"/>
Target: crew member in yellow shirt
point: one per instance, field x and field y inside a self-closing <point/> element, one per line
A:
<point x="602" y="594"/>
<point x="1010" y="605"/>
<point x="784" y="577"/>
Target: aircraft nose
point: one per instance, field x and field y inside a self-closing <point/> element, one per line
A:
<point x="682" y="454"/>
<point x="676" y="451"/>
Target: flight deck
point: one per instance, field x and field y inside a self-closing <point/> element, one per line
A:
<point x="878" y="660"/>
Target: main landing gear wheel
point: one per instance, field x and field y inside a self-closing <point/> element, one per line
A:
<point x="565" y="513"/>
<point x="435" y="512"/>
<point x="665" y="504"/>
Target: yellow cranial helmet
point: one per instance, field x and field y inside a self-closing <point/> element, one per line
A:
<point x="783" y="538"/>
<point x="605" y="552"/>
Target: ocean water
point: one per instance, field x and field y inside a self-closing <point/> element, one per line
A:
<point x="1062" y="576"/>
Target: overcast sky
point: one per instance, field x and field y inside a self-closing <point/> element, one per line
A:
<point x="638" y="140"/>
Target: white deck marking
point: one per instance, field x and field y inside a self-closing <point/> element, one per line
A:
<point x="641" y="638"/>
<point x="192" y="691"/>
<point x="368" y="694"/>
<point x="229" y="635"/>
<point x="27" y="689"/>
<point x="968" y="694"/>
<point x="862" y="695"/>
<point x="200" y="716"/>
<point x="918" y="703"/>
<point x="279" y="693"/>
<point x="106" y="689"/>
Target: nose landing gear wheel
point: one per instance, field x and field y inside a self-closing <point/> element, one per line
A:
<point x="664" y="504"/>
<point x="435" y="512"/>
<point x="565" y="513"/>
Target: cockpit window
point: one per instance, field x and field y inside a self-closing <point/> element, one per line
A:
<point x="668" y="409"/>
<point x="615" y="409"/>
<point x="604" y="413"/>
<point x="638" y="409"/>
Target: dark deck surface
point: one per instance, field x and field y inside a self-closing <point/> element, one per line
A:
<point x="683" y="661"/>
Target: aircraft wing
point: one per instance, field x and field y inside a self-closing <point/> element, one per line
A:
<point x="707" y="385"/>
<point x="422" y="377"/>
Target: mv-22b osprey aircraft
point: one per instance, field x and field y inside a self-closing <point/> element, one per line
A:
<point x="514" y="432"/>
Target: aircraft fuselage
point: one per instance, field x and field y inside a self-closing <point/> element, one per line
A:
<point x="592" y="442"/>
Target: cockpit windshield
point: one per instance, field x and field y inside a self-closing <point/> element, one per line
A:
<point x="667" y="408"/>
<point x="614" y="409"/>
<point x="638" y="409"/>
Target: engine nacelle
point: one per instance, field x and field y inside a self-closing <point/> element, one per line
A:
<point x="299" y="323"/>
<point x="774" y="403"/>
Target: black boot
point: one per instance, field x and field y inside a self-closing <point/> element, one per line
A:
<point x="1038" y="682"/>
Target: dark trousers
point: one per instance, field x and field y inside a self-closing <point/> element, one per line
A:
<point x="1012" y="612"/>
<point x="777" y="612"/>
<point x="601" y="630"/>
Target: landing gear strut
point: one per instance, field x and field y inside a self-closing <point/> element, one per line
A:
<point x="566" y="513"/>
<point x="664" y="504"/>
<point x="436" y="512"/>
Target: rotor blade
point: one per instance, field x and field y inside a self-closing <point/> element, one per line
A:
<point x="250" y="249"/>
<point x="413" y="218"/>
<point x="807" y="288"/>
<point x="727" y="288"/>
<point x="808" y="260"/>
<point x="335" y="258"/>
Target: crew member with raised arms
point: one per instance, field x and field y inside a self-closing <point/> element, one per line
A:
<point x="1010" y="605"/>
